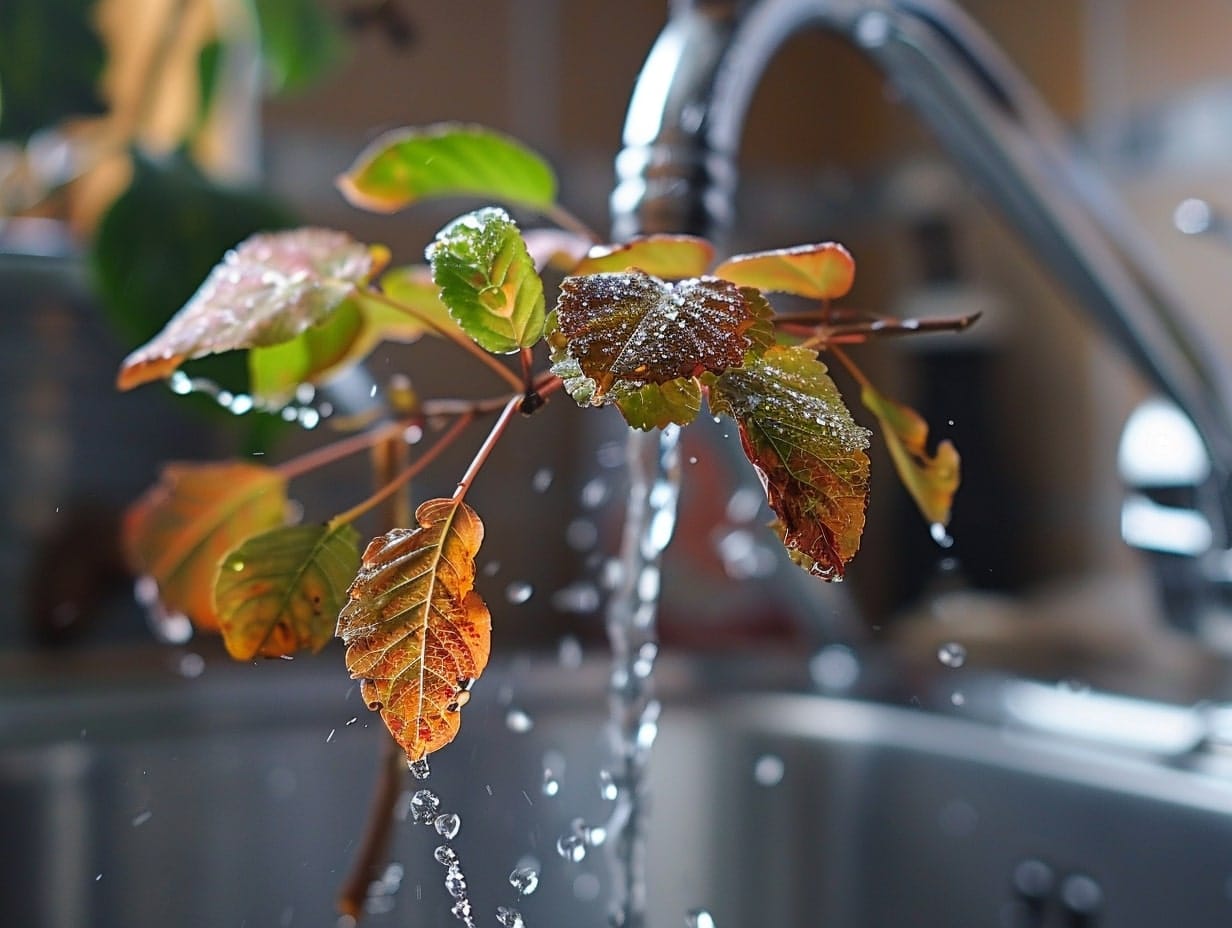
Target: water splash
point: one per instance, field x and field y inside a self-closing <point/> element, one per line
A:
<point x="653" y="463"/>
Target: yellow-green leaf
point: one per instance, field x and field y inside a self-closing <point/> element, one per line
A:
<point x="181" y="528"/>
<point x="820" y="272"/>
<point x="932" y="480"/>
<point x="417" y="633"/>
<point x="810" y="454"/>
<point x="671" y="257"/>
<point x="267" y="290"/>
<point x="488" y="280"/>
<point x="280" y="591"/>
<point x="447" y="159"/>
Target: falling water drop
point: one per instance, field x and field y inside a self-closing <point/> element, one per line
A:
<point x="447" y="825"/>
<point x="509" y="918"/>
<point x="446" y="856"/>
<point x="541" y="480"/>
<point x="957" y="699"/>
<point x="553" y="769"/>
<point x="569" y="651"/>
<point x="952" y="654"/>
<point x="835" y="667"/>
<point x="419" y="768"/>
<point x="940" y="535"/>
<point x="768" y="770"/>
<point x="191" y="666"/>
<point x="698" y="918"/>
<point x="518" y="721"/>
<point x="594" y="493"/>
<point x="607" y="786"/>
<point x="571" y="848"/>
<point x="519" y="592"/>
<point x="455" y="883"/>
<point x="425" y="805"/>
<point x="524" y="880"/>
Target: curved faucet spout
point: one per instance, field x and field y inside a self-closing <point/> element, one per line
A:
<point x="677" y="170"/>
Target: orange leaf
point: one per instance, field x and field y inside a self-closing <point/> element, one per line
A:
<point x="669" y="256"/>
<point x="181" y="529"/>
<point x="417" y="633"/>
<point x="818" y="272"/>
<point x="808" y="451"/>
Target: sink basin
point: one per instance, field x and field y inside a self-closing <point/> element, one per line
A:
<point x="146" y="792"/>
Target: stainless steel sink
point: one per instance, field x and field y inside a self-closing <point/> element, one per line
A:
<point x="132" y="794"/>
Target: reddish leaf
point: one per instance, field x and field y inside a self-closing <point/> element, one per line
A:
<point x="932" y="480"/>
<point x="417" y="633"/>
<point x="818" y="272"/>
<point x="808" y="451"/>
<point x="633" y="328"/>
<point x="267" y="290"/>
<point x="181" y="529"/>
<point x="669" y="256"/>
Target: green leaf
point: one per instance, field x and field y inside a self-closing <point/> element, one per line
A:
<point x="797" y="432"/>
<point x="300" y="42"/>
<point x="181" y="528"/>
<point x="267" y="290"/>
<point x="50" y="61"/>
<point x="820" y="272"/>
<point x="632" y="328"/>
<point x="412" y="286"/>
<point x="447" y="159"/>
<point x="668" y="256"/>
<point x="488" y="280"/>
<point x="281" y="591"/>
<point x="932" y="480"/>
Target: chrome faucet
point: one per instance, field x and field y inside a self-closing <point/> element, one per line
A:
<point x="677" y="172"/>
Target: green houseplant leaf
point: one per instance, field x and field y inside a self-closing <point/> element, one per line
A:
<point x="184" y="525"/>
<point x="808" y="451"/>
<point x="932" y="480"/>
<point x="488" y="280"/>
<point x="824" y="271"/>
<point x="635" y="329"/>
<point x="281" y="591"/>
<point x="267" y="290"/>
<point x="447" y="159"/>
<point x="417" y="633"/>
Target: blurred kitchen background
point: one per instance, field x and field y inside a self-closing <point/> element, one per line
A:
<point x="1034" y="400"/>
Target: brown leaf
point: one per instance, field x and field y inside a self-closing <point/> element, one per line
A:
<point x="181" y="529"/>
<point x="808" y="451"/>
<point x="633" y="328"/>
<point x="267" y="290"/>
<point x="417" y="633"/>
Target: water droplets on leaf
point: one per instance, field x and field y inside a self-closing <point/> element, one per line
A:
<point x="524" y="880"/>
<point x="952" y="654"/>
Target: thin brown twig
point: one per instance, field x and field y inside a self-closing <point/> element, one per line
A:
<point x="507" y="414"/>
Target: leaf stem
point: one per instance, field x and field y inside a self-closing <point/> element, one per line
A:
<point x="511" y="407"/>
<point x="852" y="369"/>
<point x="335" y="451"/>
<point x="456" y="337"/>
<point x="571" y="223"/>
<point x="410" y="471"/>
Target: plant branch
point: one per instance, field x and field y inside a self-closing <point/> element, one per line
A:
<point x="511" y="407"/>
<point x="571" y="223"/>
<point x="377" y="830"/>
<point x="852" y="369"/>
<point x="336" y="451"/>
<point x="452" y="335"/>
<point x="412" y="470"/>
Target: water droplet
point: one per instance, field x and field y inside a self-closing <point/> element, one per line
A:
<point x="446" y="856"/>
<point x="698" y="918"/>
<point x="643" y="664"/>
<point x="191" y="666"/>
<point x="541" y="480"/>
<point x="447" y="825"/>
<point x="594" y="493"/>
<point x="835" y="667"/>
<point x="142" y="818"/>
<point x="579" y="597"/>
<point x="768" y="770"/>
<point x="581" y="534"/>
<point x="425" y="805"/>
<point x="586" y="887"/>
<point x="462" y="910"/>
<point x="518" y="722"/>
<point x="571" y="847"/>
<point x="940" y="535"/>
<point x="569" y="651"/>
<point x="509" y="918"/>
<point x="419" y="768"/>
<point x="524" y="880"/>
<point x="551" y="785"/>
<point x="455" y="883"/>
<point x="519" y="592"/>
<point x="553" y="769"/>
<point x="607" y="785"/>
<point x="957" y="698"/>
<point x="952" y="654"/>
<point x="743" y="556"/>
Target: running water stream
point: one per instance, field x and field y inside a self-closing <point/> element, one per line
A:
<point x="653" y="463"/>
